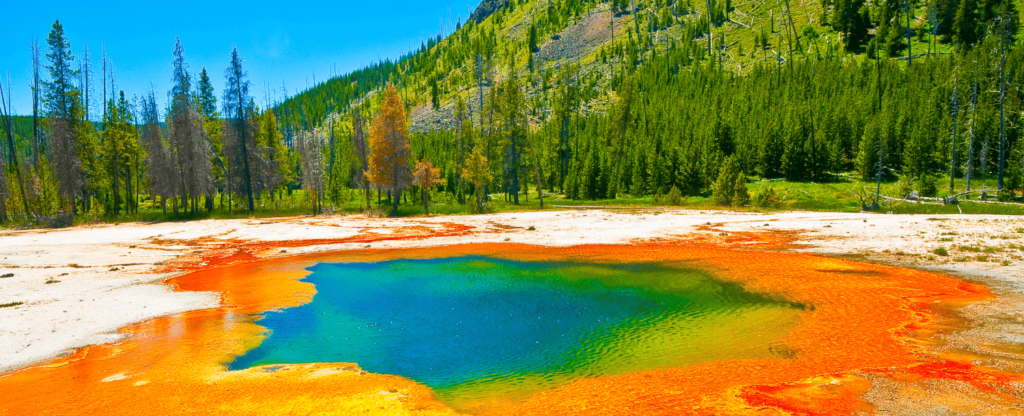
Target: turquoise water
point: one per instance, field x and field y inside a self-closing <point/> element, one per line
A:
<point x="474" y="328"/>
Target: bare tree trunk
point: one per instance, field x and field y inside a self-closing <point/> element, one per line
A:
<point x="426" y="201"/>
<point x="792" y="27"/>
<point x="537" y="173"/>
<point x="9" y="126"/>
<point x="35" y="100"/>
<point x="909" y="56"/>
<point x="710" y="24"/>
<point x="1002" y="107"/>
<point x="956" y="111"/>
<point x="330" y="164"/>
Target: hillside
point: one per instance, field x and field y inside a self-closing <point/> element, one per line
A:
<point x="742" y="35"/>
<point x="597" y="100"/>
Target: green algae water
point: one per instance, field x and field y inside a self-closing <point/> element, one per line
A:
<point x="479" y="329"/>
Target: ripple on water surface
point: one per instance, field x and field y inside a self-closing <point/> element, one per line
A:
<point x="480" y="330"/>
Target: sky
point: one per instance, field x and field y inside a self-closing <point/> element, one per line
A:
<point x="286" y="42"/>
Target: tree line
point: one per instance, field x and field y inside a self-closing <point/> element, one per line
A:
<point x="664" y="119"/>
<point x="184" y="156"/>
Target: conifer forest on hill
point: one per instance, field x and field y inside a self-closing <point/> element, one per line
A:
<point x="890" y="105"/>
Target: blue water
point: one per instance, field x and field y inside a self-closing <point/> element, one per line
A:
<point x="470" y="320"/>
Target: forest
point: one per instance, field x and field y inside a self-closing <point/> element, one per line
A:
<point x="658" y="101"/>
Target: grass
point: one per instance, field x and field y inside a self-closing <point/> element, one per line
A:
<point x="941" y="251"/>
<point x="836" y="196"/>
<point x="10" y="305"/>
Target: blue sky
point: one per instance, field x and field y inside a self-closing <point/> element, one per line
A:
<point x="285" y="41"/>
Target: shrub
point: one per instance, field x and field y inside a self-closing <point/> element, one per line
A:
<point x="1006" y="196"/>
<point x="927" y="187"/>
<point x="742" y="196"/>
<point x="941" y="251"/>
<point x="725" y="185"/>
<point x="765" y="197"/>
<point x="905" y="188"/>
<point x="674" y="197"/>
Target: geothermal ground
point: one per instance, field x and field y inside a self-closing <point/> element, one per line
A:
<point x="62" y="290"/>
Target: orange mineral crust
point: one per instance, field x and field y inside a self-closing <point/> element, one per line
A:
<point x="859" y="318"/>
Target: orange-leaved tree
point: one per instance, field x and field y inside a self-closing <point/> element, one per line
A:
<point x="388" y="167"/>
<point x="426" y="176"/>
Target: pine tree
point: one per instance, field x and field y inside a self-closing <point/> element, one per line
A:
<point x="236" y="96"/>
<point x="965" y="24"/>
<point x="742" y="196"/>
<point x="533" y="39"/>
<point x="389" y="145"/>
<point x="61" y="88"/>
<point x="122" y="147"/>
<point x="620" y="125"/>
<point x="189" y="145"/>
<point x="512" y="109"/>
<point x="867" y="155"/>
<point x="270" y="137"/>
<point x="640" y="175"/>
<point x="362" y="154"/>
<point x="479" y="174"/>
<point x="426" y="177"/>
<point x="725" y="185"/>
<point x="205" y="98"/>
<point x="60" y="99"/>
<point x="847" y="19"/>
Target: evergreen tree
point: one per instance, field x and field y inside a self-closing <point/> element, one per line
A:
<point x="205" y="98"/>
<point x="512" y="109"/>
<point x="60" y="89"/>
<point x="867" y="156"/>
<point x="533" y="39"/>
<point x="742" y="196"/>
<point x="725" y="185"/>
<point x="120" y="148"/>
<point x="189" y="146"/>
<point x="965" y="24"/>
<point x="237" y="127"/>
<point x="362" y="155"/>
<point x="479" y="174"/>
<point x="389" y="144"/>
<point x="269" y="137"/>
<point x="848" y="20"/>
<point x="61" y="99"/>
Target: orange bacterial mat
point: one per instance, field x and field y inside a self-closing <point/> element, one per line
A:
<point x="860" y="319"/>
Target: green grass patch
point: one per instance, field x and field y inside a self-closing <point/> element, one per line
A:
<point x="10" y="305"/>
<point x="835" y="196"/>
<point x="941" y="251"/>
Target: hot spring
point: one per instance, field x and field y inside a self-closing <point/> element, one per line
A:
<point x="479" y="330"/>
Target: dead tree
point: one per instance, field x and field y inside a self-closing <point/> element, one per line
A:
<point x="1006" y="36"/>
<point x="362" y="149"/>
<point x="5" y="113"/>
<point x="35" y="100"/>
<point x="956" y="110"/>
<point x="970" y="150"/>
